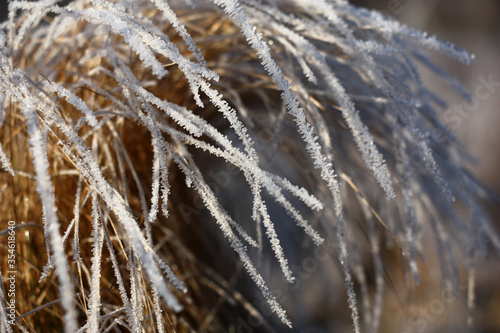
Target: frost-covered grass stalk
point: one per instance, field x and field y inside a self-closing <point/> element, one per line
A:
<point x="110" y="109"/>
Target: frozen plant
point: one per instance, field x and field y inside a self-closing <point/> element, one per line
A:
<point x="117" y="100"/>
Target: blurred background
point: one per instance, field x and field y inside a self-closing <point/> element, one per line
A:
<point x="474" y="26"/>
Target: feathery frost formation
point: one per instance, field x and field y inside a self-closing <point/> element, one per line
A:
<point x="347" y="81"/>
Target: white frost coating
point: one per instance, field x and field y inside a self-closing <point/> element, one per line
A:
<point x="4" y="160"/>
<point x="76" y="221"/>
<point x="46" y="193"/>
<point x="181" y="29"/>
<point x="91" y="172"/>
<point x="73" y="100"/>
<point x="272" y="183"/>
<point x="362" y="92"/>
<point x="364" y="140"/>
<point x="155" y="190"/>
<point x="235" y="11"/>
<point x="157" y="310"/>
<point x="390" y="28"/>
<point x="94" y="306"/>
<point x="132" y="38"/>
<point x="140" y="246"/>
<point x="211" y="203"/>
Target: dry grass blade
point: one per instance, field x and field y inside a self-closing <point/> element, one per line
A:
<point x="150" y="142"/>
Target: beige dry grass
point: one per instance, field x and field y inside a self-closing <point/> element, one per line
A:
<point x="217" y="291"/>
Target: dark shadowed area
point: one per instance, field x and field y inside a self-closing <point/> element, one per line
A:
<point x="3" y="10"/>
